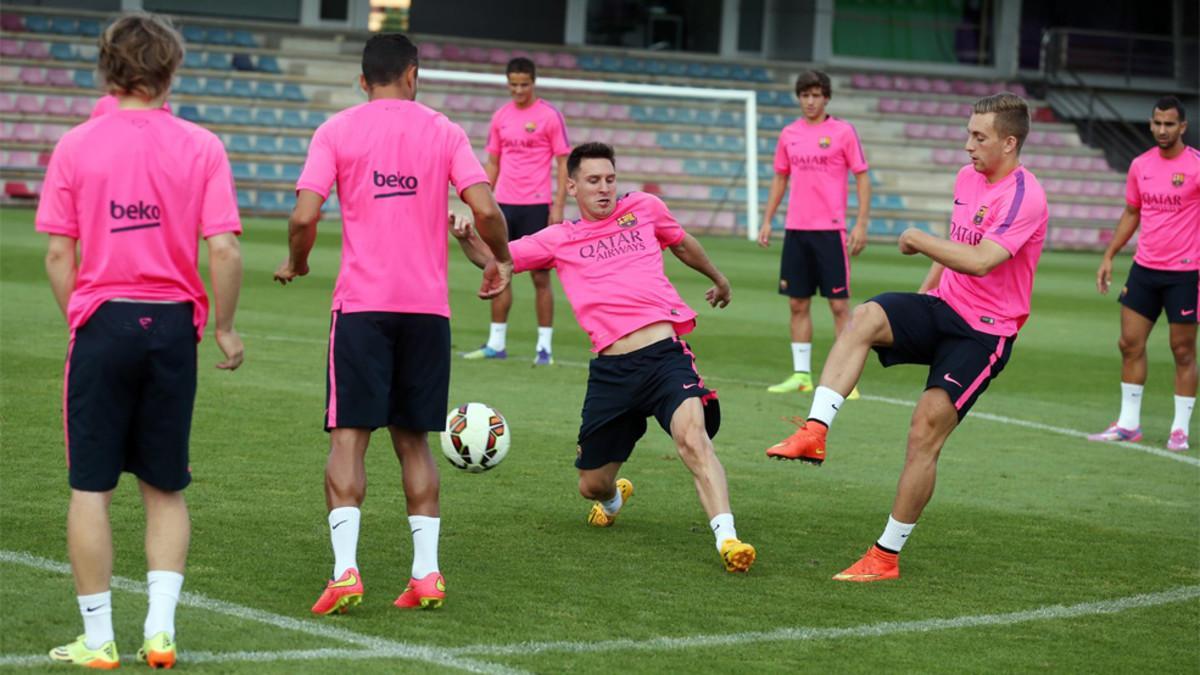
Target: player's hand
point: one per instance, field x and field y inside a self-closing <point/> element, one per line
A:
<point x="288" y="271"/>
<point x="720" y="294"/>
<point x="764" y="235"/>
<point x="858" y="240"/>
<point x="556" y="214"/>
<point x="231" y="346"/>
<point x="495" y="278"/>
<point x="1104" y="275"/>
<point x="906" y="243"/>
<point x="460" y="227"/>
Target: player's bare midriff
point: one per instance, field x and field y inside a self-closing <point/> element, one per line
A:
<point x="646" y="335"/>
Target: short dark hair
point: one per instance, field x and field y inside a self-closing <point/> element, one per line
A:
<point x="521" y="65"/>
<point x="814" y="78"/>
<point x="386" y="57"/>
<point x="1012" y="115"/>
<point x="1170" y="102"/>
<point x="590" y="151"/>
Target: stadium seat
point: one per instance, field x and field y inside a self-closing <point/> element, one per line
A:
<point x="193" y="60"/>
<point x="215" y="114"/>
<point x="12" y="23"/>
<point x="288" y="200"/>
<point x="59" y="51"/>
<point x="292" y="145"/>
<point x="292" y="92"/>
<point x="189" y="85"/>
<point x="7" y="103"/>
<point x="240" y="144"/>
<point x="58" y="77"/>
<point x="245" y="200"/>
<point x="242" y="171"/>
<point x="219" y="36"/>
<point x="269" y="201"/>
<point x="81" y="107"/>
<point x="89" y="28"/>
<point x="330" y="204"/>
<point x="266" y="145"/>
<point x="268" y="90"/>
<point x="242" y="62"/>
<point x="476" y="54"/>
<point x="429" y="50"/>
<point x="291" y="172"/>
<point x="269" y="64"/>
<point x="244" y="38"/>
<point x="216" y="86"/>
<point x="485" y="104"/>
<point x="241" y="89"/>
<point x="543" y="60"/>
<point x="52" y="132"/>
<point x="37" y="24"/>
<point x="498" y="57"/>
<point x="240" y="116"/>
<point x="194" y="34"/>
<point x="574" y="109"/>
<point x="452" y="52"/>
<point x="267" y="171"/>
<point x="64" y="26"/>
<point x="881" y="82"/>
<point x="33" y="76"/>
<point x="566" y="61"/>
<point x="28" y="104"/>
<point x="314" y="118"/>
<point x="190" y="113"/>
<point x="901" y="83"/>
<point x="20" y="190"/>
<point x="218" y="61"/>
<point x="265" y="117"/>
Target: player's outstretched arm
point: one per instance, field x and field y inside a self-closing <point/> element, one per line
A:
<point x="473" y="247"/>
<point x="490" y="224"/>
<point x="61" y="267"/>
<point x="691" y="253"/>
<point x="225" y="270"/>
<point x="1131" y="217"/>
<point x="974" y="260"/>
<point x="302" y="234"/>
<point x="774" y="197"/>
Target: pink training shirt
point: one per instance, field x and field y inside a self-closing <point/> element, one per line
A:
<point x="527" y="141"/>
<point x="1167" y="193"/>
<point x="109" y="103"/>
<point x="392" y="160"/>
<point x="816" y="158"/>
<point x="1012" y="213"/>
<point x="138" y="188"/>
<point x="612" y="270"/>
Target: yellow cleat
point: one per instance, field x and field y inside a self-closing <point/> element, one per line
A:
<point x="158" y="651"/>
<point x="77" y="653"/>
<point x="853" y="395"/>
<point x="797" y="382"/>
<point x="737" y="555"/>
<point x="597" y="517"/>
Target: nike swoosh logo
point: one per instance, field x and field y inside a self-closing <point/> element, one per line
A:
<point x="339" y="525"/>
<point x="345" y="583"/>
<point x="958" y="203"/>
<point x="836" y="407"/>
<point x="839" y="289"/>
<point x="417" y="530"/>
<point x="92" y="609"/>
<point x="690" y="386"/>
<point x="1188" y="312"/>
<point x="951" y="380"/>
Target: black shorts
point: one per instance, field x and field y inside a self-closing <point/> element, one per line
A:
<point x="814" y="259"/>
<point x="387" y="369"/>
<point x="130" y="389"/>
<point x="525" y="219"/>
<point x="623" y="390"/>
<point x="925" y="330"/>
<point x="1148" y="292"/>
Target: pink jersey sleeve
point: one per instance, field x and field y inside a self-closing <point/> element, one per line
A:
<point x="534" y="251"/>
<point x="1133" y="196"/>
<point x="856" y="159"/>
<point x="56" y="213"/>
<point x="320" y="167"/>
<point x="493" y="139"/>
<point x="559" y="143"/>
<point x="465" y="169"/>
<point x="782" y="164"/>
<point x="219" y="212"/>
<point x="667" y="230"/>
<point x="1022" y="219"/>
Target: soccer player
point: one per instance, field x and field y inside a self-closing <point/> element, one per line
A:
<point x="1162" y="195"/>
<point x="814" y="154"/>
<point x="389" y="336"/>
<point x="527" y="135"/>
<point x="127" y="197"/>
<point x="611" y="267"/>
<point x="962" y="322"/>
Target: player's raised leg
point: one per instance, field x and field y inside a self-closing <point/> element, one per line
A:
<point x="933" y="420"/>
<point x="426" y="588"/>
<point x="1183" y="347"/>
<point x="1135" y="331"/>
<point x="840" y="309"/>
<point x="868" y="327"/>
<point x="345" y="490"/>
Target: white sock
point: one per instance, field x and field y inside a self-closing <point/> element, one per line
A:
<point x="722" y="527"/>
<point x="97" y="618"/>
<point x="163" y="587"/>
<point x="1183" y="413"/>
<point x="343" y="534"/>
<point x="425" y="531"/>
<point x="825" y="405"/>
<point x="611" y="506"/>
<point x="1131" y="406"/>
<point x="802" y="357"/>
<point x="544" y="335"/>
<point x="895" y="534"/>
<point x="498" y="336"/>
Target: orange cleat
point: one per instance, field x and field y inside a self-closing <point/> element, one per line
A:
<point x="807" y="444"/>
<point x="737" y="555"/>
<point x="340" y="594"/>
<point x="876" y="565"/>
<point x="428" y="592"/>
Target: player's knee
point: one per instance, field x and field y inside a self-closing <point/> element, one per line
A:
<point x="867" y="320"/>
<point x="1131" y="347"/>
<point x="541" y="280"/>
<point x="693" y="443"/>
<point x="1184" y="352"/>
<point x="799" y="306"/>
<point x="593" y="487"/>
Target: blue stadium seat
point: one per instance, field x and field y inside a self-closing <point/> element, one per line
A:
<point x="267" y="172"/>
<point x="267" y="90"/>
<point x="740" y="73"/>
<point x="656" y="67"/>
<point x="632" y="65"/>
<point x="269" y="201"/>
<point x="193" y="60"/>
<point x="195" y="34"/>
<point x="245" y="200"/>
<point x="241" y="89"/>
<point x="240" y="143"/>
<point x="695" y="167"/>
<point x="292" y="145"/>
<point x="242" y="171"/>
<point x="704" y="116"/>
<point x="190" y="113"/>
<point x="244" y="38"/>
<point x="641" y="113"/>
<point x="266" y="145"/>
<point x="189" y="85"/>
<point x="292" y="119"/>
<point x="240" y="116"/>
<point x="89" y="28"/>
<point x="269" y="64"/>
<point x="64" y="26"/>
<point x="62" y="51"/>
<point x="760" y="74"/>
<point x="720" y="71"/>
<point x="215" y="114"/>
<point x="315" y="118"/>
<point x="765" y="97"/>
<point x="718" y="193"/>
<point x="85" y="79"/>
<point x="291" y="172"/>
<point x="697" y="70"/>
<point x="292" y="92"/>
<point x="662" y="114"/>
<point x="216" y="86"/>
<point x="288" y="202"/>
<point x="37" y="24"/>
<point x="219" y="36"/>
<point x="677" y="69"/>
<point x="610" y="64"/>
<point x="243" y="62"/>
<point x="585" y="61"/>
<point x="217" y="61"/>
<point x="265" y="117"/>
<point x="729" y="118"/>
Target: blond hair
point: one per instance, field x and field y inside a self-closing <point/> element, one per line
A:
<point x="1012" y="115"/>
<point x="139" y="53"/>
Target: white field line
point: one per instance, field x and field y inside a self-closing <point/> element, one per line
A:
<point x="375" y="644"/>
<point x="1012" y="421"/>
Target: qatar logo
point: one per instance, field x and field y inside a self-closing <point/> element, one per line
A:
<point x="530" y="127"/>
<point x="980" y="215"/>
<point x="1177" y="179"/>
<point x="825" y="142"/>
<point x="627" y="220"/>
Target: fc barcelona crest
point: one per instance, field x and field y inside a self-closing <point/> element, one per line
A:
<point x="627" y="220"/>
<point x="530" y="127"/>
<point x="1177" y="179"/>
<point x="824" y="142"/>
<point x="980" y="215"/>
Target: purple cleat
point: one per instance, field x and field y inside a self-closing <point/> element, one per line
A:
<point x="1178" y="441"/>
<point x="544" y="358"/>
<point x="1116" y="433"/>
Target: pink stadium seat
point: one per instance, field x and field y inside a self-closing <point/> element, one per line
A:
<point x="81" y="107"/>
<point x="623" y="138"/>
<point x="881" y="82"/>
<point x="477" y="55"/>
<point x="433" y="99"/>
<point x="1018" y="89"/>
<point x="1100" y="165"/>
<point x="543" y="60"/>
<point x="452" y="52"/>
<point x="499" y="57"/>
<point x="485" y="104"/>
<point x="7" y="132"/>
<point x="596" y="111"/>
<point x="674" y="191"/>
<point x="1054" y="185"/>
<point x="644" y="139"/>
<point x="7" y="103"/>
<point x="889" y="105"/>
<point x="672" y="166"/>
<point x="928" y="108"/>
<point x="43" y="159"/>
<point x="12" y="23"/>
<point x="33" y="76"/>
<point x="1061" y="162"/>
<point x="981" y="89"/>
<point x="430" y="50"/>
<point x="29" y="104"/>
<point x="1112" y="189"/>
<point x="1059" y="210"/>
<point x="1079" y="211"/>
<point x="574" y="109"/>
<point x="10" y="48"/>
<point x="35" y="49"/>
<point x="698" y="192"/>
<point x="1080" y="163"/>
<point x="59" y="77"/>
<point x="53" y="132"/>
<point x="650" y="164"/>
<point x="617" y="112"/>
<point x="947" y="109"/>
<point x="477" y="128"/>
<point x="566" y="61"/>
<point x="960" y="87"/>
<point x="946" y="156"/>
<point x="725" y="220"/>
<point x="1090" y="188"/>
<point x="860" y="81"/>
<point x="922" y="84"/>
<point x="25" y="132"/>
<point x="910" y="106"/>
<point x="901" y="83"/>
<point x="941" y="86"/>
<point x="912" y="130"/>
<point x="57" y="106"/>
<point x="598" y="135"/>
<point x="457" y="103"/>
<point x="941" y="132"/>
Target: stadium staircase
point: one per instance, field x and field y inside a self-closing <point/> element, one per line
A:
<point x="264" y="88"/>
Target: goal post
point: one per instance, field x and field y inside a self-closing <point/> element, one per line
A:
<point x="748" y="97"/>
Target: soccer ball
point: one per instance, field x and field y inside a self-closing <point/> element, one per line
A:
<point x="476" y="437"/>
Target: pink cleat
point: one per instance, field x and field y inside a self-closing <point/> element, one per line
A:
<point x="340" y="594"/>
<point x="1178" y="441"/>
<point x="1116" y="433"/>
<point x="428" y="592"/>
